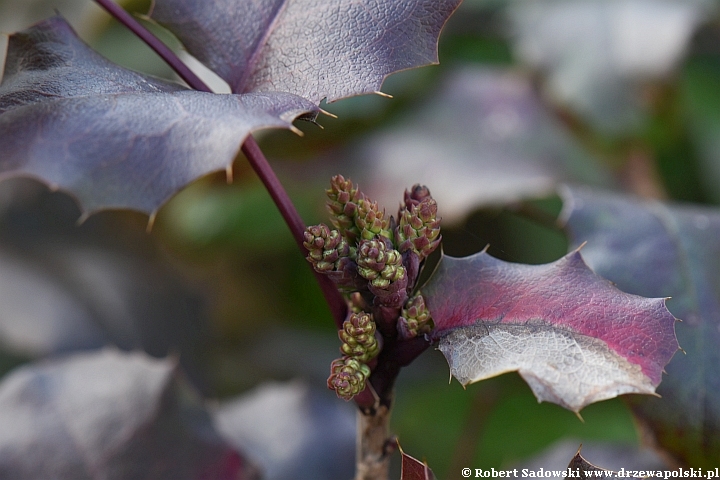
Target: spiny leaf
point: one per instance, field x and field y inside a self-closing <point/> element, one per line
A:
<point x="312" y="48"/>
<point x="585" y="469"/>
<point x="652" y="248"/>
<point x="414" y="469"/>
<point x="111" y="137"/>
<point x="573" y="336"/>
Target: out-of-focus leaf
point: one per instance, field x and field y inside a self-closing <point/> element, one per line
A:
<point x="614" y="456"/>
<point x="292" y="431"/>
<point x="109" y="415"/>
<point x="65" y="287"/>
<point x="597" y="53"/>
<point x="307" y="47"/>
<point x="17" y="14"/>
<point x="112" y="137"/>
<point x="650" y="248"/>
<point x="573" y="336"/>
<point x="483" y="139"/>
<point x="414" y="469"/>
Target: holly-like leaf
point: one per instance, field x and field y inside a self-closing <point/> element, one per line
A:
<point x="651" y="248"/>
<point x="584" y="469"/>
<point x="573" y="336"/>
<point x="112" y="137"/>
<point x="414" y="469"/>
<point x="109" y="415"/>
<point x="312" y="48"/>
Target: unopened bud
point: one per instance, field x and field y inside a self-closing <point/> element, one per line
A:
<point x="358" y="337"/>
<point x="379" y="263"/>
<point x="415" y="318"/>
<point x="343" y="198"/>
<point x="418" y="228"/>
<point x="347" y="377"/>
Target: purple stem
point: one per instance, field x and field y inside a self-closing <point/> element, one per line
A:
<point x="262" y="167"/>
<point x="250" y="148"/>
<point x="153" y="42"/>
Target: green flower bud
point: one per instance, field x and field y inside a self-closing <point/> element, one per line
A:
<point x="343" y="198"/>
<point x="415" y="318"/>
<point x="347" y="377"/>
<point x="418" y="228"/>
<point x="326" y="248"/>
<point x="371" y="221"/>
<point x="358" y="337"/>
<point x="379" y="263"/>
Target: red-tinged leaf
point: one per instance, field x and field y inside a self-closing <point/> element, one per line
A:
<point x="109" y="415"/>
<point x="652" y="248"/>
<point x="312" y="48"/>
<point x="584" y="469"/>
<point x="111" y="137"/>
<point x="414" y="469"/>
<point x="573" y="336"/>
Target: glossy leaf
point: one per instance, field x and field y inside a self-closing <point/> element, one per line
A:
<point x="108" y="415"/>
<point x="573" y="336"/>
<point x="111" y="137"/>
<point x="651" y="248"/>
<point x="311" y="48"/>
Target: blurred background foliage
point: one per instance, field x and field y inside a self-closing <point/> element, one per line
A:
<point x="624" y="94"/>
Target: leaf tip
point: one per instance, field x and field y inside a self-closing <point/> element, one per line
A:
<point x="81" y="219"/>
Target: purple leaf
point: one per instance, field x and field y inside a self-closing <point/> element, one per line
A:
<point x="497" y="141"/>
<point x="651" y="248"/>
<point x="311" y="48"/>
<point x="292" y="431"/>
<point x="414" y="469"/>
<point x="585" y="469"/>
<point x="573" y="336"/>
<point x="65" y="287"/>
<point x="109" y="415"/>
<point x="111" y="137"/>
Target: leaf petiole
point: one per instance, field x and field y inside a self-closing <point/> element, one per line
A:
<point x="250" y="148"/>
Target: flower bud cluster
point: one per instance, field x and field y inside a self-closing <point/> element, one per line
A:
<point x="343" y="199"/>
<point x="325" y="247"/>
<point x="358" y="337"/>
<point x="375" y="260"/>
<point x="418" y="227"/>
<point x="415" y="318"/>
<point x="379" y="263"/>
<point x="347" y="377"/>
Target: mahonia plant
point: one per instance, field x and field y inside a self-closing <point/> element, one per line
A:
<point x="375" y="260"/>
